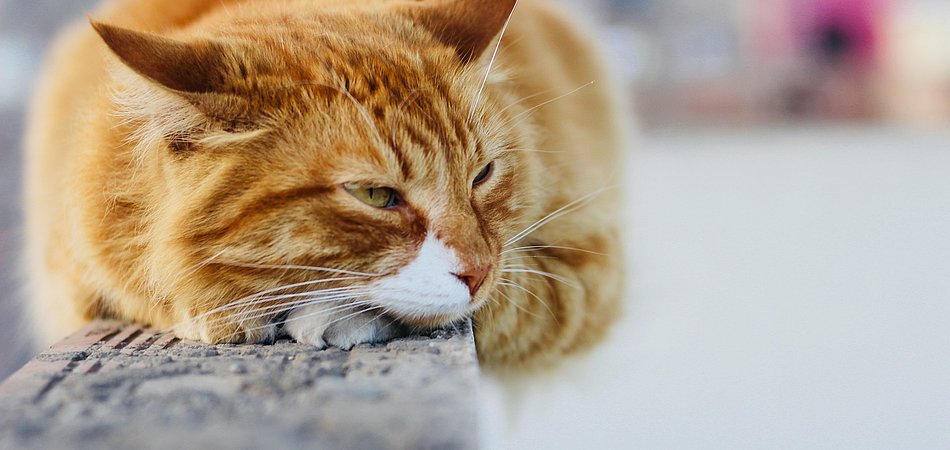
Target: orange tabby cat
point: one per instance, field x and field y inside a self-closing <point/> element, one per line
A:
<point x="332" y="169"/>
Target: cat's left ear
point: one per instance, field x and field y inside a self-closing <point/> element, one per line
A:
<point x="179" y="77"/>
<point x="185" y="67"/>
<point x="467" y="25"/>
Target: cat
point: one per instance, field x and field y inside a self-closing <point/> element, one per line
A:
<point x="336" y="170"/>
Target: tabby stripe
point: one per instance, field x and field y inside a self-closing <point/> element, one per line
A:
<point x="261" y="206"/>
<point x="420" y="138"/>
<point x="397" y="150"/>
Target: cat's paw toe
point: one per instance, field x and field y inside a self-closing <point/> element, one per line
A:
<point x="307" y="327"/>
<point x="321" y="326"/>
<point x="357" y="330"/>
<point x="312" y="339"/>
<point x="223" y="329"/>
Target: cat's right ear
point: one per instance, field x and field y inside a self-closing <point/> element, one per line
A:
<point x="468" y="25"/>
<point x="186" y="67"/>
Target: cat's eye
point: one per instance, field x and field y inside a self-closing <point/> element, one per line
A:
<point x="484" y="174"/>
<point x="378" y="197"/>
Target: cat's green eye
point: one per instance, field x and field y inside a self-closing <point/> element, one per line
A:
<point x="484" y="174"/>
<point x="379" y="197"/>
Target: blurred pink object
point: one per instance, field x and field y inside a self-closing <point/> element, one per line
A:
<point x="840" y="31"/>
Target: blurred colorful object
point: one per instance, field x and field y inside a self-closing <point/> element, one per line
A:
<point x="766" y="61"/>
<point x="840" y="31"/>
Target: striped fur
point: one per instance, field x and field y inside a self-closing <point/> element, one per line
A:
<point x="203" y="191"/>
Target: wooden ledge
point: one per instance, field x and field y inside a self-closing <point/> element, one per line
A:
<point x="118" y="386"/>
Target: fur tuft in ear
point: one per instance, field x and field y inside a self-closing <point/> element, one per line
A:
<point x="193" y="67"/>
<point x="468" y="25"/>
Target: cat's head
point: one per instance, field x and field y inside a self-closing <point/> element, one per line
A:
<point x="353" y="154"/>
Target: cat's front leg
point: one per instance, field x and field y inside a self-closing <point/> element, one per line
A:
<point x="329" y="325"/>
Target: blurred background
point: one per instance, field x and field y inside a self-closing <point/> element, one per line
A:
<point x="788" y="226"/>
<point x="745" y="62"/>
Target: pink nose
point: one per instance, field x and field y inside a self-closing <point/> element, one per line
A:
<point x="473" y="277"/>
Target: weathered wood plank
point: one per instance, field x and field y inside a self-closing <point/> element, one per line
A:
<point x="118" y="386"/>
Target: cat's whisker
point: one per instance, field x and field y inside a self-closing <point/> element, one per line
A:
<point x="364" y="113"/>
<point x="297" y="267"/>
<point x="274" y="312"/>
<point x="515" y="304"/>
<point x="342" y="87"/>
<point x="310" y="299"/>
<point x="332" y="291"/>
<point x="380" y="331"/>
<point x="412" y="98"/>
<point x="521" y="257"/>
<point x="532" y="248"/>
<point x="512" y="284"/>
<point x="491" y="63"/>
<point x="541" y="273"/>
<point x="523" y="99"/>
<point x="254" y="297"/>
<point x="529" y="150"/>
<point x="566" y="209"/>
<point x="515" y="119"/>
<point x="285" y="308"/>
<point x="335" y="294"/>
<point x="224" y="7"/>
<point x="203" y="264"/>
<point x="319" y="292"/>
<point x="366" y="117"/>
<point x="364" y="311"/>
<point x="342" y="307"/>
<point x="339" y="319"/>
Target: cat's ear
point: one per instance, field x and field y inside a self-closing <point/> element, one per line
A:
<point x="468" y="25"/>
<point x="186" y="67"/>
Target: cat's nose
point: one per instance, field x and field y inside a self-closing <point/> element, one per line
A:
<point x="473" y="277"/>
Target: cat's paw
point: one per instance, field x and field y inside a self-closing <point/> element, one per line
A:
<point x="225" y="329"/>
<point x="322" y="326"/>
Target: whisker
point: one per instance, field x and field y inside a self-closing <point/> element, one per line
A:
<point x="202" y="264"/>
<point x="310" y="293"/>
<point x="515" y="304"/>
<point x="541" y="273"/>
<point x="315" y="314"/>
<point x="282" y="308"/>
<point x="529" y="150"/>
<point x="566" y="209"/>
<point x="311" y="299"/>
<point x="523" y="99"/>
<point x="375" y="319"/>
<point x="531" y="248"/>
<point x="543" y="104"/>
<point x="519" y="257"/>
<point x="491" y="63"/>
<point x="313" y="296"/>
<point x="297" y="267"/>
<point x="253" y="298"/>
<point x="364" y="311"/>
<point x="512" y="284"/>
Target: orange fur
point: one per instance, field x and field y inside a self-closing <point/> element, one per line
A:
<point x="173" y="174"/>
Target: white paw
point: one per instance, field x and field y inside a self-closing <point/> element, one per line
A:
<point x="322" y="325"/>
